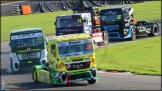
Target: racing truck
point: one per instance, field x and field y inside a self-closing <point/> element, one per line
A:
<point x="82" y="22"/>
<point x="71" y="58"/>
<point x="120" y="23"/>
<point x="28" y="48"/>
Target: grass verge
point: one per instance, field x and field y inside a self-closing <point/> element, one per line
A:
<point x="139" y="57"/>
<point x="142" y="11"/>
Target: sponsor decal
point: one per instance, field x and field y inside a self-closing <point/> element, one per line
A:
<point x="61" y="65"/>
<point x="93" y="61"/>
<point x="28" y="49"/>
<point x="22" y="51"/>
<point x="68" y="66"/>
<point x="26" y="36"/>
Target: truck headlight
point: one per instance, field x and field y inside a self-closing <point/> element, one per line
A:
<point x="43" y="53"/>
<point x="125" y="31"/>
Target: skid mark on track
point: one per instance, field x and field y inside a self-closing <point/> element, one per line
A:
<point x="115" y="72"/>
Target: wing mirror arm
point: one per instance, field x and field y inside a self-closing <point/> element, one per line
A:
<point x="9" y="44"/>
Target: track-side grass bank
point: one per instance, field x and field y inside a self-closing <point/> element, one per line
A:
<point x="139" y="57"/>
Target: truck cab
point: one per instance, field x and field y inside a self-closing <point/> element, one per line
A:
<point x="83" y="20"/>
<point x="118" y="21"/>
<point x="95" y="17"/>
<point x="71" y="58"/>
<point x="73" y="23"/>
<point x="28" y="48"/>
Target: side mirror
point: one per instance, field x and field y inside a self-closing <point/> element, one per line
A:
<point x="54" y="23"/>
<point x="9" y="44"/>
<point x="46" y="40"/>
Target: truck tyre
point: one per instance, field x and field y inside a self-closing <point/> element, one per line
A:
<point x="52" y="80"/>
<point x="34" y="75"/>
<point x="106" y="38"/>
<point x="11" y="67"/>
<point x="133" y="34"/>
<point x="154" y="31"/>
<point x="91" y="81"/>
<point x="100" y="43"/>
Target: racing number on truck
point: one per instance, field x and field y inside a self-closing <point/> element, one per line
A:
<point x="79" y="20"/>
<point x="89" y="46"/>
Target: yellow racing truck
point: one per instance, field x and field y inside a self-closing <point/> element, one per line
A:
<point x="71" y="58"/>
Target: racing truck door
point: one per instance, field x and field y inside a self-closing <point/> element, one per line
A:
<point x="87" y="24"/>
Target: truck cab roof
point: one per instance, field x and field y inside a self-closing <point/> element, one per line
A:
<point x="26" y="30"/>
<point x="70" y="37"/>
<point x="118" y="7"/>
<point x="86" y="8"/>
<point x="77" y="14"/>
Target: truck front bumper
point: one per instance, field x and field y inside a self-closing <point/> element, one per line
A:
<point x="65" y="77"/>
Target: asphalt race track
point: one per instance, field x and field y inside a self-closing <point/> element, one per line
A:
<point x="107" y="80"/>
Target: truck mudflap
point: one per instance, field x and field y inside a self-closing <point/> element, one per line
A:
<point x="97" y="37"/>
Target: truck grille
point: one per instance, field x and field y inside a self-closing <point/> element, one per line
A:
<point x="28" y="65"/>
<point x="113" y="35"/>
<point x="77" y="66"/>
<point x="29" y="56"/>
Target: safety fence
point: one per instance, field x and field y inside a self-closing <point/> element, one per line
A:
<point x="62" y="5"/>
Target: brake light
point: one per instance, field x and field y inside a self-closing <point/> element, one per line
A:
<point x="87" y="63"/>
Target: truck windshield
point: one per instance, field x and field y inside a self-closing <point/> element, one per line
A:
<point x="25" y="40"/>
<point x="70" y="22"/>
<point x="110" y="15"/>
<point x="72" y="48"/>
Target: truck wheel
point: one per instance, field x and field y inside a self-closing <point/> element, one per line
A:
<point x="34" y="75"/>
<point x="106" y="38"/>
<point x="91" y="81"/>
<point x="100" y="43"/>
<point x="154" y="31"/>
<point x="133" y="34"/>
<point x="11" y="67"/>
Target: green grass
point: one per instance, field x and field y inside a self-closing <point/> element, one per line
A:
<point x="150" y="11"/>
<point x="139" y="57"/>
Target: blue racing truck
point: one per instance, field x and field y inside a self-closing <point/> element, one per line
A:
<point x="120" y="23"/>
